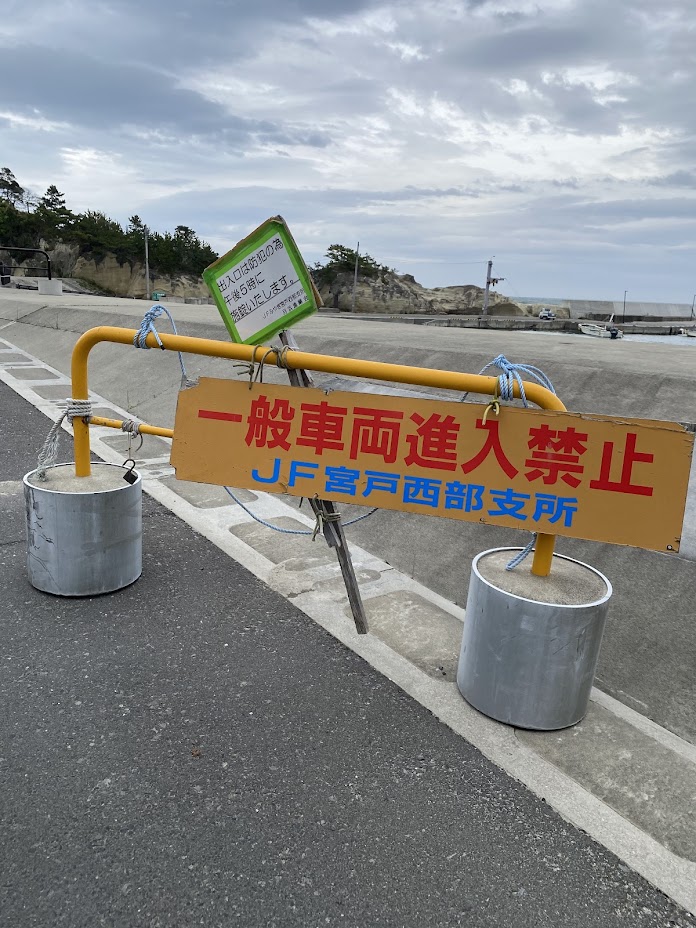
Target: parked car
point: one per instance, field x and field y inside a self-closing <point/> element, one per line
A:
<point x="547" y="314"/>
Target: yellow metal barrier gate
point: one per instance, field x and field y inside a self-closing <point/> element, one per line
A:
<point x="375" y="370"/>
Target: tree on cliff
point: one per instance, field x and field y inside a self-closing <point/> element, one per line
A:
<point x="17" y="228"/>
<point x="341" y="260"/>
<point x="10" y="188"/>
<point x="53" y="212"/>
<point x="100" y="235"/>
<point x="50" y="219"/>
<point x="182" y="253"/>
<point x="53" y="199"/>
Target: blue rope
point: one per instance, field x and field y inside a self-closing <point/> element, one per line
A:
<point x="512" y="374"/>
<point x="291" y="531"/>
<point x="518" y="558"/>
<point x="147" y="326"/>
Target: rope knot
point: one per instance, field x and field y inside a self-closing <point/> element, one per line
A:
<point x="147" y="326"/>
<point x="132" y="429"/>
<point x="72" y="409"/>
<point x="75" y="409"/>
<point x="324" y="518"/>
<point x="256" y="375"/>
<point x="282" y="356"/>
<point x="512" y="374"/>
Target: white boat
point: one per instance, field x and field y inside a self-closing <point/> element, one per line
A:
<point x="690" y="333"/>
<point x="601" y="329"/>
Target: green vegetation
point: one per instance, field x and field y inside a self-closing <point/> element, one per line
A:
<point x="341" y="260"/>
<point x="26" y="219"/>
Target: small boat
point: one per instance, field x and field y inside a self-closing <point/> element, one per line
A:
<point x="690" y="333"/>
<point x="600" y="330"/>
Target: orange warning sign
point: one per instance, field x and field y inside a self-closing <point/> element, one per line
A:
<point x="607" y="479"/>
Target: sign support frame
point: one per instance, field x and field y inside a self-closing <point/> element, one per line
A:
<point x="326" y="513"/>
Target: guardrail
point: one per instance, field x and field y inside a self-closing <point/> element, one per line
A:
<point x="36" y="251"/>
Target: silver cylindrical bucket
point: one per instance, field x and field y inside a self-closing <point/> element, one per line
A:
<point x="530" y="644"/>
<point x="84" y="534"/>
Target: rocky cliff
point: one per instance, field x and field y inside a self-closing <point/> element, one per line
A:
<point x="128" y="279"/>
<point x="401" y="293"/>
<point x="113" y="276"/>
<point x="385" y="293"/>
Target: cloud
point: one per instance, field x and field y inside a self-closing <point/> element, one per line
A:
<point x="94" y="93"/>
<point x="546" y="132"/>
<point x="682" y="178"/>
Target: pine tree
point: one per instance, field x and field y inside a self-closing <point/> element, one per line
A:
<point x="53" y="199"/>
<point x="10" y="189"/>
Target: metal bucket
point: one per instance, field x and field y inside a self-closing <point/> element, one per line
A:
<point x="84" y="534"/>
<point x="527" y="662"/>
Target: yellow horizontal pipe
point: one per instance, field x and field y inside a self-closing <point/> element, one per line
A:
<point x="375" y="370"/>
<point x="350" y="367"/>
<point x="143" y="428"/>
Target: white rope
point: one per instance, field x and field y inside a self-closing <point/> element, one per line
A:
<point x="73" y="409"/>
<point x="132" y="429"/>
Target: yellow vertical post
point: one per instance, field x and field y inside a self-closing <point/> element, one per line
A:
<point x="80" y="391"/>
<point x="543" y="555"/>
<point x="83" y="468"/>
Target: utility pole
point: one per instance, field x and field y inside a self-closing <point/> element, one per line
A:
<point x="355" y="277"/>
<point x="147" y="266"/>
<point x="490" y="282"/>
<point x="623" y="317"/>
<point x="692" y="306"/>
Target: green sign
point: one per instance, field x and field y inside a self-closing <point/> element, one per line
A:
<point x="262" y="285"/>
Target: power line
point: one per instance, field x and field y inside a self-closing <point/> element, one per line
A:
<point x="454" y="263"/>
<point x="437" y="261"/>
<point x="511" y="286"/>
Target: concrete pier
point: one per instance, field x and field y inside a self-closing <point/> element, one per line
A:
<point x="639" y="737"/>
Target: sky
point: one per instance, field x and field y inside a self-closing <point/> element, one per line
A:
<point x="555" y="137"/>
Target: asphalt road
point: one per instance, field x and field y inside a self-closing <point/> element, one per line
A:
<point x="193" y="750"/>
